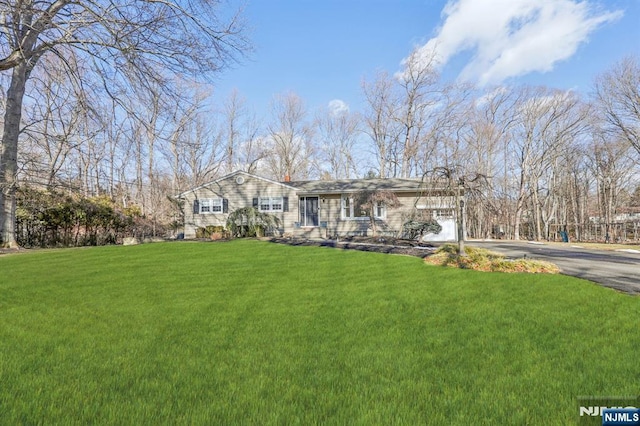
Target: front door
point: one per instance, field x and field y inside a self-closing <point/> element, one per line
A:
<point x="309" y="211"/>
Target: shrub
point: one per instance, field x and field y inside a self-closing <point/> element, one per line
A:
<point x="50" y="218"/>
<point x="417" y="223"/>
<point x="212" y="231"/>
<point x="484" y="260"/>
<point x="417" y="228"/>
<point x="250" y="222"/>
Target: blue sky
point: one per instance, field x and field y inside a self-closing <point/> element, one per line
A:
<point x="322" y="49"/>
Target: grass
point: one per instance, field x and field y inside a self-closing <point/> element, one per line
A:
<point x="250" y="332"/>
<point x="479" y="259"/>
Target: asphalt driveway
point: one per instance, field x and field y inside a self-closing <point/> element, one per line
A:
<point x="615" y="269"/>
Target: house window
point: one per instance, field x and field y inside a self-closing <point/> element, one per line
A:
<point x="444" y="214"/>
<point x="352" y="209"/>
<point x="435" y="212"/>
<point x="210" y="205"/>
<point x="271" y="204"/>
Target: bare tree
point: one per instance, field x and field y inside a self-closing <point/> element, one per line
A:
<point x="148" y="110"/>
<point x="337" y="132"/>
<point x="253" y="149"/>
<point x="379" y="123"/>
<point x="185" y="116"/>
<point x="233" y="110"/>
<point x="547" y="121"/>
<point x="202" y="151"/>
<point x="567" y="125"/>
<point x="64" y="143"/>
<point x="611" y="164"/>
<point x="411" y="115"/>
<point x="491" y="121"/>
<point x="116" y="134"/>
<point x="292" y="152"/>
<point x="617" y="94"/>
<point x="127" y="40"/>
<point x="244" y="148"/>
<point x="58" y="121"/>
<point x="574" y="180"/>
<point x="420" y="95"/>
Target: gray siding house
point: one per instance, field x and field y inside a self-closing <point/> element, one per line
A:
<point x="318" y="209"/>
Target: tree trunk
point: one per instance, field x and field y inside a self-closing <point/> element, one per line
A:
<point x="9" y="154"/>
<point x="520" y="202"/>
<point x="537" y="214"/>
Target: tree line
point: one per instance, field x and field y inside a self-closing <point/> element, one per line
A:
<point x="124" y="118"/>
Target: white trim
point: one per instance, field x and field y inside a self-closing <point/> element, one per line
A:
<point x="210" y="204"/>
<point x="270" y="202"/>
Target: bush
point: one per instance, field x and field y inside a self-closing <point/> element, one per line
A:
<point x="250" y="222"/>
<point x="57" y="219"/>
<point x="416" y="228"/>
<point x="480" y="259"/>
<point x="214" y="232"/>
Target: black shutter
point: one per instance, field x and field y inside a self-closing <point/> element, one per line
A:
<point x="196" y="206"/>
<point x="225" y="205"/>
<point x="255" y="203"/>
<point x="285" y="204"/>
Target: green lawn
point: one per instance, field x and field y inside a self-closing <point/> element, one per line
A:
<point x="250" y="332"/>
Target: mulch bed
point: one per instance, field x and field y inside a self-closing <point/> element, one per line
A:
<point x="371" y="244"/>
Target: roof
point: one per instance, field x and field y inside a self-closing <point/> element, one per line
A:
<point x="238" y="172"/>
<point x="341" y="186"/>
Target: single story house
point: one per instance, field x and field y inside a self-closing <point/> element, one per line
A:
<point x="320" y="208"/>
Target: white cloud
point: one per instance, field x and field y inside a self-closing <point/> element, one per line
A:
<point x="509" y="38"/>
<point x="337" y="107"/>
